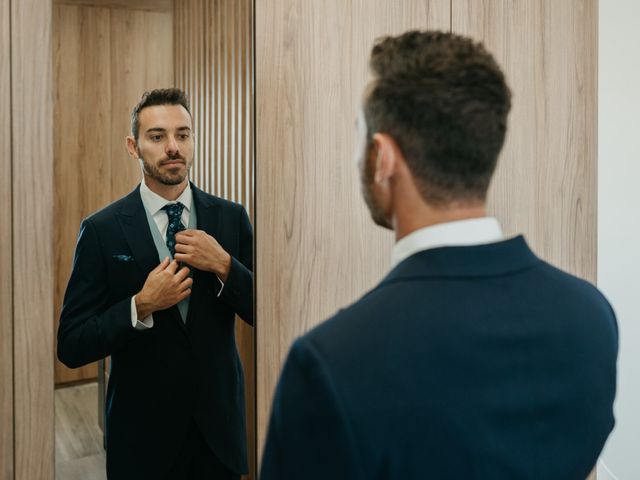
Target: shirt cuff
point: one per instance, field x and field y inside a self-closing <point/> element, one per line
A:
<point x="221" y="286"/>
<point x="143" y="324"/>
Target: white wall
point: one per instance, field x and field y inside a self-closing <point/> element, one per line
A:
<point x="619" y="219"/>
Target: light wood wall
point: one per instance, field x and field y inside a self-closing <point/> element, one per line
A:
<point x="545" y="185"/>
<point x="214" y="65"/>
<point x="6" y="257"/>
<point x="32" y="253"/>
<point x="104" y="59"/>
<point x="317" y="249"/>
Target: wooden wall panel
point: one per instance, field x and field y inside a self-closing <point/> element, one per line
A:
<point x="6" y="257"/>
<point x="82" y="146"/>
<point x="150" y="5"/>
<point x="545" y="185"/>
<point x="214" y="65"/>
<point x="317" y="249"/>
<point x="104" y="59"/>
<point x="141" y="60"/>
<point x="32" y="215"/>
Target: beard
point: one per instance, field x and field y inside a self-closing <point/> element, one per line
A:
<point x="166" y="178"/>
<point x="367" y="181"/>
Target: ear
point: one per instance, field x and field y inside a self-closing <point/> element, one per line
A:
<point x="388" y="157"/>
<point x="132" y="148"/>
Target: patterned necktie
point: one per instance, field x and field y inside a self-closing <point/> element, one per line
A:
<point x="174" y="211"/>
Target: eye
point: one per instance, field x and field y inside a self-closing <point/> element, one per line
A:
<point x="156" y="138"/>
<point x="183" y="136"/>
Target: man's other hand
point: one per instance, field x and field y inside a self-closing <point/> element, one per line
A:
<point x="166" y="285"/>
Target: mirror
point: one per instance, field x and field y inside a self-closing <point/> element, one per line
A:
<point x="106" y="53"/>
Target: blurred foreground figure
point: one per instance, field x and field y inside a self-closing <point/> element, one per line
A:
<point x="473" y="358"/>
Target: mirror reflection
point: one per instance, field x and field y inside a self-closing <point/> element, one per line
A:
<point x="153" y="239"/>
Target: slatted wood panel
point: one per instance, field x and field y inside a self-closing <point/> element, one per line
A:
<point x="214" y="65"/>
<point x="317" y="249"/>
<point x="6" y="261"/>
<point x="104" y="59"/>
<point x="32" y="211"/>
<point x="545" y="185"/>
<point x="213" y="52"/>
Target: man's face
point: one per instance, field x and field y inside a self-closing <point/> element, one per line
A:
<point x="165" y="143"/>
<point x="366" y="160"/>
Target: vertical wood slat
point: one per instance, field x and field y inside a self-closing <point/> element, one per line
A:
<point x="545" y="185"/>
<point x="32" y="225"/>
<point x="215" y="37"/>
<point x="6" y="249"/>
<point x="313" y="228"/>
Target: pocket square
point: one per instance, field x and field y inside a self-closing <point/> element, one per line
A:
<point x="122" y="258"/>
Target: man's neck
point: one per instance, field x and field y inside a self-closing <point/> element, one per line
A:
<point x="168" y="192"/>
<point x="409" y="221"/>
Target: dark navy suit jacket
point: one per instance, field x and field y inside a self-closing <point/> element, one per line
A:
<point x="164" y="377"/>
<point x="465" y="363"/>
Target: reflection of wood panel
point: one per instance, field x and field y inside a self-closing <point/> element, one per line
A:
<point x="6" y="261"/>
<point x="151" y="5"/>
<point x="32" y="184"/>
<point x="141" y="60"/>
<point x="104" y="60"/>
<point x="82" y="147"/>
<point x="317" y="249"/>
<point x="545" y="185"/>
<point x="213" y="64"/>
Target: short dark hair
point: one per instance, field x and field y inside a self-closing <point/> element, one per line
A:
<point x="161" y="96"/>
<point x="445" y="101"/>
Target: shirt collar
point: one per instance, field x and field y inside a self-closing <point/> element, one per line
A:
<point x="154" y="202"/>
<point x="473" y="231"/>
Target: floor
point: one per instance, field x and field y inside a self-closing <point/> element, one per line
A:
<point x="79" y="452"/>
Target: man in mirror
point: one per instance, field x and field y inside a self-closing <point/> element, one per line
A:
<point x="158" y="278"/>
<point x="473" y="358"/>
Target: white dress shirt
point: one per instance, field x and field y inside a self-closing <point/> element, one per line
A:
<point x="473" y="231"/>
<point x="153" y="203"/>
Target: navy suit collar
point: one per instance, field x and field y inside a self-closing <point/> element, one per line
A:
<point x="491" y="259"/>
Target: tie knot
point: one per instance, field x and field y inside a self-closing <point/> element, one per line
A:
<point x="174" y="210"/>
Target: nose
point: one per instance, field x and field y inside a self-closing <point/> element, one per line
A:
<point x="172" y="148"/>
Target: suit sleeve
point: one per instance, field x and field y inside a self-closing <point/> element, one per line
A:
<point x="309" y="435"/>
<point x="238" y="289"/>
<point x="90" y="328"/>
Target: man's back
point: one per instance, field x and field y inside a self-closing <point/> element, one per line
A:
<point x="465" y="362"/>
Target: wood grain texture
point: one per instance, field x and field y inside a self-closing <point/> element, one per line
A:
<point x="104" y="59"/>
<point x="214" y="65"/>
<point x="150" y="5"/>
<point x="6" y="262"/>
<point x="82" y="146"/>
<point x="545" y="185"/>
<point x="33" y="279"/>
<point x="317" y="249"/>
<point x="141" y="60"/>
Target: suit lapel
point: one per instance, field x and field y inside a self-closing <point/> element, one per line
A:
<point x="208" y="221"/>
<point x="135" y="227"/>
